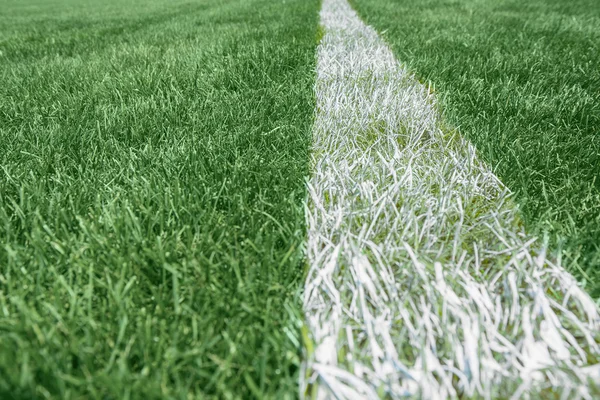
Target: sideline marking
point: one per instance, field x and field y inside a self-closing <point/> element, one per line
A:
<point x="422" y="279"/>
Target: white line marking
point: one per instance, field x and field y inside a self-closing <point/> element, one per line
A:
<point x="422" y="281"/>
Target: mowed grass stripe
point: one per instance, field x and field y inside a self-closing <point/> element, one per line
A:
<point x="521" y="81"/>
<point x="152" y="183"/>
<point x="423" y="281"/>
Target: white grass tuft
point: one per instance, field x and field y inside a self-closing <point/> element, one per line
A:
<point x="422" y="281"/>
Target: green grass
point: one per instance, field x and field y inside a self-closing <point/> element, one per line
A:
<point x="521" y="80"/>
<point x="153" y="156"/>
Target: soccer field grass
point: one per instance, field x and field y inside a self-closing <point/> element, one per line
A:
<point x="225" y="199"/>
<point x="153" y="159"/>
<point x="521" y="80"/>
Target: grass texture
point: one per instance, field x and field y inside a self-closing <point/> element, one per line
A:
<point x="521" y="81"/>
<point x="153" y="158"/>
<point x="423" y="280"/>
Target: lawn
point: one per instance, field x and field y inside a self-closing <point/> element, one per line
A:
<point x="153" y="158"/>
<point x="521" y="81"/>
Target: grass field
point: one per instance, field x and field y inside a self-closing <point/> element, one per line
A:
<point x="171" y="172"/>
<point x="521" y="80"/>
<point x="153" y="160"/>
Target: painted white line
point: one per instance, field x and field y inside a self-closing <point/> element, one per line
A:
<point x="422" y="281"/>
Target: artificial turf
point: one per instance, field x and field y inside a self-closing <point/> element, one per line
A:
<point x="153" y="158"/>
<point x="521" y="81"/>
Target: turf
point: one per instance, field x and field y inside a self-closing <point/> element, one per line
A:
<point x="153" y="161"/>
<point x="520" y="80"/>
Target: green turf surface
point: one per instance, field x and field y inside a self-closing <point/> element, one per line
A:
<point x="521" y="80"/>
<point x="153" y="156"/>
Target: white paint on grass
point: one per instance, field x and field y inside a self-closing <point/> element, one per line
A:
<point x="422" y="279"/>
